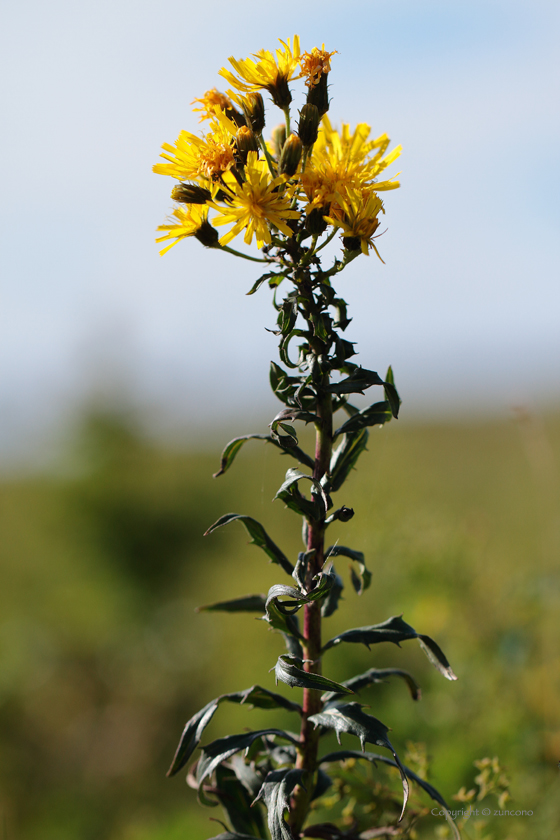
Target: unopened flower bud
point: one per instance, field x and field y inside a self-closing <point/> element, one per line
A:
<point x="253" y="108"/>
<point x="246" y="141"/>
<point x="278" y="137"/>
<point x="308" y="124"/>
<point x="190" y="194"/>
<point x="208" y="235"/>
<point x="318" y="95"/>
<point x="315" y="223"/>
<point x="291" y="155"/>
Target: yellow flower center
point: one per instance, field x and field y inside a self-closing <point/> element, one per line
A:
<point x="217" y="159"/>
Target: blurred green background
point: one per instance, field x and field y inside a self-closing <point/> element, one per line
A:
<point x="104" y="658"/>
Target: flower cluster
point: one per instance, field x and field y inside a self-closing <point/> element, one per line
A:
<point x="303" y="182"/>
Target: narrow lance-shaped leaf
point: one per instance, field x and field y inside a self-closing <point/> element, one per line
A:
<point x="280" y="590"/>
<point x="345" y="457"/>
<point x="359" y="380"/>
<point x="374" y="415"/>
<point x="330" y="604"/>
<point x="255" y="696"/>
<point x="258" y="536"/>
<point x="391" y="393"/>
<point x="395" y="630"/>
<point x="362" y="581"/>
<point x="376" y="675"/>
<point x="289" y="670"/>
<point x="236" y="802"/>
<point x="232" y="835"/>
<point x="286" y="623"/>
<point x="349" y="717"/>
<point x="343" y="755"/>
<point x="293" y="476"/>
<point x="222" y="749"/>
<point x="275" y="793"/>
<point x="247" y="603"/>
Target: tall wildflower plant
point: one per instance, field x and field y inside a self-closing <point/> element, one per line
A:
<point x="293" y="193"/>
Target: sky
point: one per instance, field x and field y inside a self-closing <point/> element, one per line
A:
<point x="467" y="306"/>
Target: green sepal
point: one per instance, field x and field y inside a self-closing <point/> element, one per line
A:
<point x="360" y="581"/>
<point x="349" y="717"/>
<point x="395" y="630"/>
<point x="289" y="670"/>
<point x="247" y="603"/>
<point x="258" y="536"/>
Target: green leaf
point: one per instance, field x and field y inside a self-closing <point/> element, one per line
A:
<point x="374" y="415"/>
<point x="275" y="793"/>
<point x="236" y="802"/>
<point x="278" y="620"/>
<point x="391" y="393"/>
<point x="231" y="835"/>
<point x="270" y="275"/>
<point x="330" y="604"/>
<point x="376" y="675"/>
<point x="249" y="603"/>
<point x="233" y="447"/>
<point x="395" y="630"/>
<point x="258" y="536"/>
<point x="289" y="670"/>
<point x="194" y="728"/>
<point x="286" y="607"/>
<point x="345" y="457"/>
<point x="349" y="717"/>
<point x="359" y="380"/>
<point x="292" y="477"/>
<point x="213" y="754"/>
<point x="247" y="774"/>
<point x="343" y="755"/>
<point x="360" y="582"/>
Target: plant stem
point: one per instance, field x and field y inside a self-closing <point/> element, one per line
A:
<point x="239" y="254"/>
<point x="312" y="703"/>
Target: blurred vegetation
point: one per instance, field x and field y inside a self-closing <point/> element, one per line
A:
<point x="103" y="659"/>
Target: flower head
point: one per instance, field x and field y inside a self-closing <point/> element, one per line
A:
<point x="211" y="100"/>
<point x="315" y="63"/>
<point x="357" y="216"/>
<point x="268" y="72"/>
<point x="255" y="205"/>
<point x="201" y="157"/>
<point x="191" y="220"/>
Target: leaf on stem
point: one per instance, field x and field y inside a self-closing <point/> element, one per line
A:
<point x="357" y="382"/>
<point x="289" y="669"/>
<point x="349" y="717"/>
<point x="395" y="630"/>
<point x="258" y="536"/>
<point x="275" y="793"/>
<point x="376" y="675"/>
<point x="345" y="457"/>
<point x="255" y="696"/>
<point x="248" y="603"/>
<point x="374" y="415"/>
<point x="236" y="802"/>
<point x="293" y="475"/>
<point x="343" y="755"/>
<point x="270" y="275"/>
<point x="213" y="754"/>
<point x="360" y="581"/>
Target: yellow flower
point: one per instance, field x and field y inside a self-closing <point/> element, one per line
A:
<point x="192" y="220"/>
<point x="343" y="161"/>
<point x="212" y="99"/>
<point x="200" y="157"/>
<point x="255" y="205"/>
<point x="315" y="63"/>
<point x="267" y="72"/>
<point x="358" y="218"/>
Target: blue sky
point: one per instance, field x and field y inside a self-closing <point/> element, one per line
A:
<point x="467" y="306"/>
